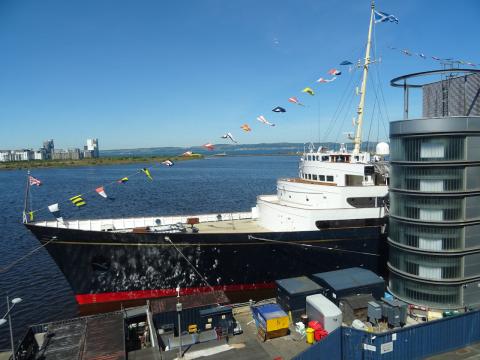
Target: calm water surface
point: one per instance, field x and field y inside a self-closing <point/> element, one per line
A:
<point x="199" y="186"/>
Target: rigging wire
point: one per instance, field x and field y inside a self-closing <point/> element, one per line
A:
<point x="13" y="263"/>
<point x="188" y="261"/>
<point x="310" y="246"/>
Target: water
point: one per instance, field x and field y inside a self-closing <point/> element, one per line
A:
<point x="220" y="184"/>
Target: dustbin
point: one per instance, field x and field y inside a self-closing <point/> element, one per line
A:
<point x="310" y="335"/>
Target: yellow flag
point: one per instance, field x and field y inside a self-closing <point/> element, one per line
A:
<point x="147" y="173"/>
<point x="309" y="91"/>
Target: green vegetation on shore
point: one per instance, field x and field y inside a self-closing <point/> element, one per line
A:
<point x="92" y="162"/>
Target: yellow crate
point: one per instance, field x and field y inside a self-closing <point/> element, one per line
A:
<point x="276" y="323"/>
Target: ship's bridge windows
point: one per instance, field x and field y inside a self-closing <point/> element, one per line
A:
<point x="309" y="176"/>
<point x="314" y="177"/>
<point x="318" y="158"/>
<point x="321" y="177"/>
<point x="330" y="178"/>
<point x="325" y="158"/>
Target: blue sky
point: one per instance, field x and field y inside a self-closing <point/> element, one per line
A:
<point x="182" y="73"/>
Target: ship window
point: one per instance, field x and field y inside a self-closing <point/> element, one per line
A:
<point x="309" y="157"/>
<point x="321" y="177"/>
<point x="318" y="158"/>
<point x="314" y="177"/>
<point x="329" y="178"/>
<point x="309" y="176"/>
<point x="324" y="158"/>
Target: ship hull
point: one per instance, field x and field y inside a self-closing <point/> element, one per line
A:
<point x="103" y="266"/>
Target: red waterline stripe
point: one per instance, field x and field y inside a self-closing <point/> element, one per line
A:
<point x="83" y="299"/>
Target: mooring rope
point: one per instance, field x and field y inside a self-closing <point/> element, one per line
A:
<point x="13" y="263"/>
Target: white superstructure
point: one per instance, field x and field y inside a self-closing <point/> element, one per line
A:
<point x="331" y="186"/>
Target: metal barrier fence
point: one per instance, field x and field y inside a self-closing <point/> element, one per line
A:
<point x="413" y="342"/>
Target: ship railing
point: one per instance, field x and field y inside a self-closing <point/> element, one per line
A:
<point x="122" y="224"/>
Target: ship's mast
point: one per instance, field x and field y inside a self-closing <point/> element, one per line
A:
<point x="358" y="131"/>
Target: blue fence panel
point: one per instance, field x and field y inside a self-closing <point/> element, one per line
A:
<point x="329" y="348"/>
<point x="414" y="342"/>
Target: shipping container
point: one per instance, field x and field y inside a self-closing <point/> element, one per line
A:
<point x="321" y="309"/>
<point x="292" y="293"/>
<point x="164" y="311"/>
<point x="351" y="281"/>
<point x="219" y="316"/>
<point x="270" y="317"/>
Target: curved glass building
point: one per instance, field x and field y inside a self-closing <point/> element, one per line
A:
<point x="434" y="232"/>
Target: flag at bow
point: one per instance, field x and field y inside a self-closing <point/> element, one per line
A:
<point x="384" y="17"/>
<point x="101" y="191"/>
<point x="78" y="201"/>
<point x="34" y="181"/>
<point x="147" y="173"/>
<point x="55" y="210"/>
<point x="168" y="163"/>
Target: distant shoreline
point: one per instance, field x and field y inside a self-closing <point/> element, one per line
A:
<point x="32" y="164"/>
<point x="35" y="164"/>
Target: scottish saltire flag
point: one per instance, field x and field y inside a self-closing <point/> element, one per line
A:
<point x="34" y="181"/>
<point x="55" y="210"/>
<point x="384" y="17"/>
<point x="101" y="191"/>
<point x="78" y="201"/>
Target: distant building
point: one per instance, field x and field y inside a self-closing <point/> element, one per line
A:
<point x="40" y="154"/>
<point x="49" y="148"/>
<point x="70" y="154"/>
<point x="92" y="145"/>
<point x="5" y="155"/>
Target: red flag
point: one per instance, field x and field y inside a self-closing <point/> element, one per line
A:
<point x="100" y="191"/>
<point x="209" y="146"/>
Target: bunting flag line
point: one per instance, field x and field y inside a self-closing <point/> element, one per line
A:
<point x="262" y="119"/>
<point x="294" y="100"/>
<point x="168" y="163"/>
<point x="436" y="58"/>
<point x="245" y="127"/>
<point x="147" y="174"/>
<point x="229" y="136"/>
<point x="55" y="210"/>
<point x="346" y="62"/>
<point x="187" y="153"/>
<point x="78" y="201"/>
<point x="101" y="191"/>
<point x="322" y="80"/>
<point x="384" y="17"/>
<point x="209" y="146"/>
<point x="34" y="181"/>
<point x="308" y="91"/>
<point x="123" y="180"/>
<point x="279" y="109"/>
